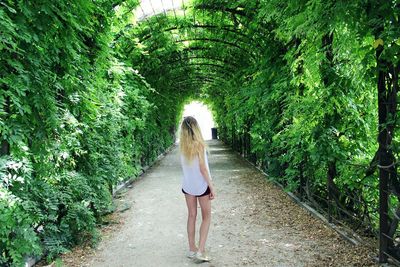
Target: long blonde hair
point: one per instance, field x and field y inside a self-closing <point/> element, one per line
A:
<point x="191" y="141"/>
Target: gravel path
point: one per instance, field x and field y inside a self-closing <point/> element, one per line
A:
<point x="253" y="223"/>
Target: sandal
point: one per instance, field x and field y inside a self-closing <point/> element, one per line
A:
<point x="201" y="257"/>
<point x="191" y="254"/>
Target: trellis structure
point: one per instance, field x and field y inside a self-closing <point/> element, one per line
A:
<point x="211" y="44"/>
<point x="91" y="92"/>
<point x="200" y="39"/>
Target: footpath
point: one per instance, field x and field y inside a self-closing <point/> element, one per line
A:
<point x="253" y="223"/>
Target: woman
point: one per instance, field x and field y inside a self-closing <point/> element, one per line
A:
<point x="196" y="185"/>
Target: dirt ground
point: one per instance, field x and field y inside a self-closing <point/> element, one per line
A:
<point x="253" y="223"/>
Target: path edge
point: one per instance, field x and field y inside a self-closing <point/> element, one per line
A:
<point x="32" y="261"/>
<point x="349" y="236"/>
<point x="144" y="169"/>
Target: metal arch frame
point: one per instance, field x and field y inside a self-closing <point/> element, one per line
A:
<point x="216" y="73"/>
<point x="203" y="57"/>
<point x="182" y="54"/>
<point x="247" y="41"/>
<point x="205" y="26"/>
<point x="222" y="11"/>
<point x="225" y="9"/>
<point x="200" y="64"/>
<point x="220" y="73"/>
<point x="216" y="40"/>
<point x="181" y="62"/>
<point x="199" y="75"/>
<point x="197" y="80"/>
<point x="248" y="29"/>
<point x="222" y="18"/>
<point x="156" y="18"/>
<point x="206" y="39"/>
<point x="194" y="25"/>
<point x="219" y="70"/>
<point x="202" y="7"/>
<point x="187" y="85"/>
<point x="213" y="10"/>
<point x="226" y="30"/>
<point x="164" y="11"/>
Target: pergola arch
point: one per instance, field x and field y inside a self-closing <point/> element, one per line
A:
<point x="197" y="81"/>
<point x="225" y="28"/>
<point x="208" y="39"/>
<point x="231" y="57"/>
<point x="214" y="40"/>
<point x="201" y="76"/>
<point x="195" y="51"/>
<point x="196" y="68"/>
<point x="214" y="59"/>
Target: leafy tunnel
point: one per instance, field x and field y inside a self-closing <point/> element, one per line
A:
<point x="92" y="92"/>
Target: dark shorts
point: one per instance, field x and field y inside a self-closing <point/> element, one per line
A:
<point x="207" y="192"/>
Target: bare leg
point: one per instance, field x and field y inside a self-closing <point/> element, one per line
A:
<point x="191" y="202"/>
<point x="205" y="204"/>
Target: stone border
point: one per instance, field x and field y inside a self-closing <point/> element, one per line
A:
<point x="128" y="182"/>
<point x="347" y="234"/>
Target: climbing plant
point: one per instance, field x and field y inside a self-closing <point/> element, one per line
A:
<point x="76" y="119"/>
<point x="296" y="92"/>
<point x="311" y="123"/>
<point x="91" y="92"/>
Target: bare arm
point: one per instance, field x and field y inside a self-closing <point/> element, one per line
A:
<point x="204" y="172"/>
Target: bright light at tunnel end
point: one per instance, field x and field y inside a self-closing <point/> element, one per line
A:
<point x="203" y="116"/>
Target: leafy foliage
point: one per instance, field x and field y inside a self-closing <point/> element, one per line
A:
<point x="89" y="96"/>
<point x="76" y="119"/>
<point x="292" y="86"/>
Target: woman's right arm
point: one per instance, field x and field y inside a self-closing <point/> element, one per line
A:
<point x="204" y="171"/>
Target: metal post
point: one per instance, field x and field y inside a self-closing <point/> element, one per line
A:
<point x="383" y="161"/>
<point x="331" y="175"/>
<point x="302" y="182"/>
<point x="329" y="204"/>
<point x="383" y="218"/>
<point x="5" y="145"/>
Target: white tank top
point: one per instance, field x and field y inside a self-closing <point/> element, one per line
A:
<point x="193" y="181"/>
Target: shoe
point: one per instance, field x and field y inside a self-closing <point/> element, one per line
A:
<point x="201" y="257"/>
<point x="191" y="254"/>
